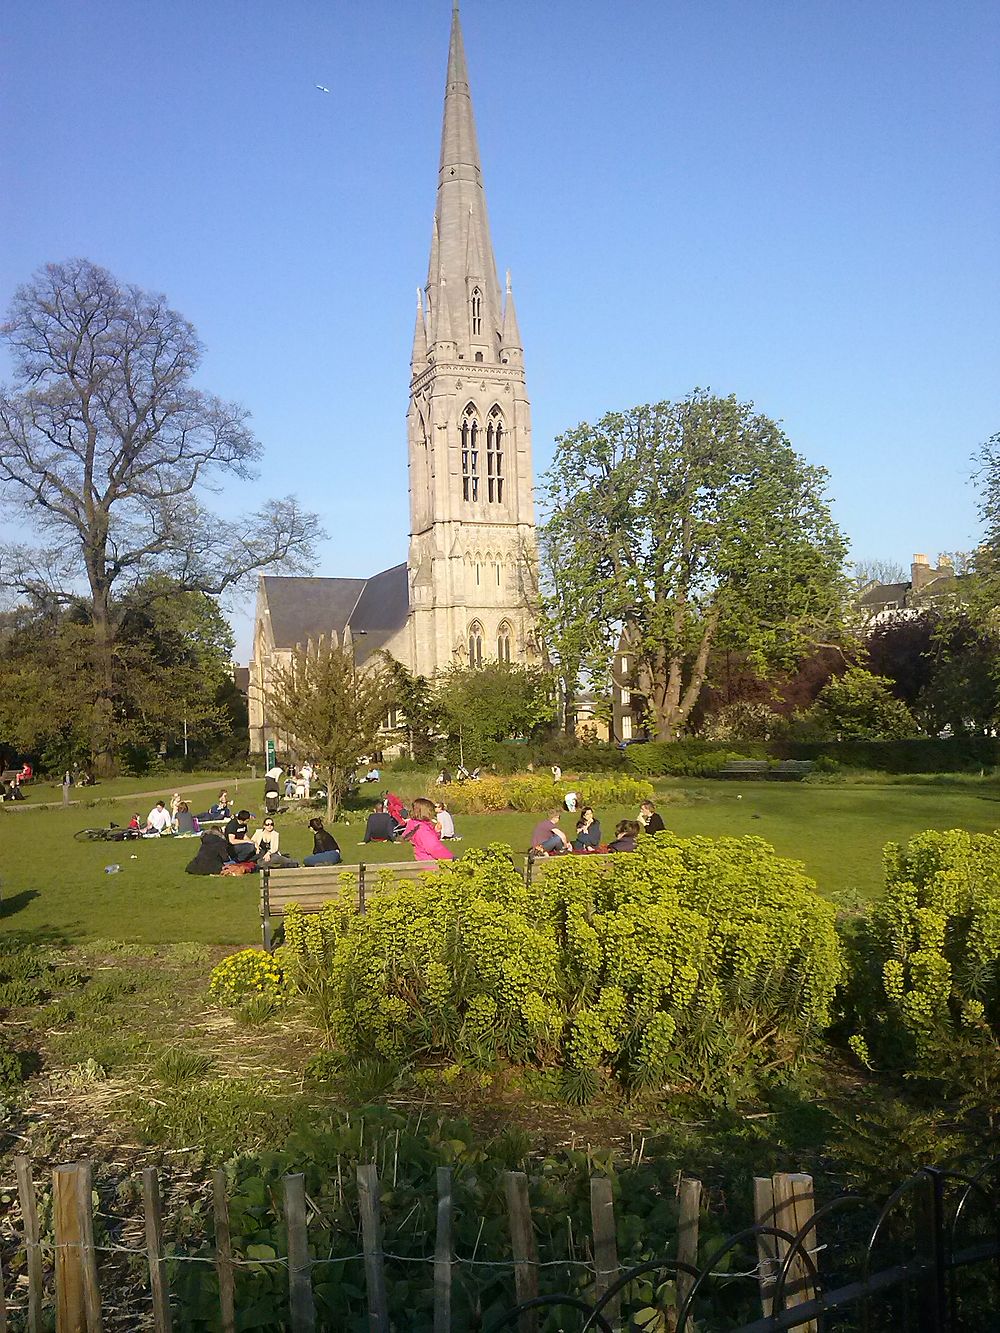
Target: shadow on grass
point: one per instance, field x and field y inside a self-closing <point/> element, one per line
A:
<point x="16" y="902"/>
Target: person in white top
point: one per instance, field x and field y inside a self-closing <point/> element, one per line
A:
<point x="444" y="821"/>
<point x="158" y="820"/>
<point x="570" y="801"/>
<point x="306" y="774"/>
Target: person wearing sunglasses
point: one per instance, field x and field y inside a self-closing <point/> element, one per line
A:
<point x="266" y="839"/>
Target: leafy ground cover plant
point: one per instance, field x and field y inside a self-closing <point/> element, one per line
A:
<point x="689" y="963"/>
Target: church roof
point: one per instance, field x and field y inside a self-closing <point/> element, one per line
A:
<point x="304" y="608"/>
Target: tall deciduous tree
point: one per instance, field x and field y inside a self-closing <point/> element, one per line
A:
<point x="495" y="702"/>
<point x="333" y="709"/>
<point x="682" y="527"/>
<point x="105" y="447"/>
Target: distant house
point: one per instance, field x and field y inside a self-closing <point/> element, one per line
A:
<point x="927" y="584"/>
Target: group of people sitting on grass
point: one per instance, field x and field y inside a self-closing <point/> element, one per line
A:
<point x="425" y="825"/>
<point x="548" y="839"/>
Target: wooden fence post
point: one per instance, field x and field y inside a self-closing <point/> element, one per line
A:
<point x="442" y="1253"/>
<point x="71" y="1311"/>
<point x="3" y="1303"/>
<point x="301" y="1306"/>
<point x="522" y="1239"/>
<point x="153" y="1209"/>
<point x="688" y="1221"/>
<point x="794" y="1205"/>
<point x="224" y="1254"/>
<point x="88" y="1255"/>
<point x="371" y="1243"/>
<point x="606" y="1268"/>
<point x="29" y="1218"/>
<point x="767" y="1249"/>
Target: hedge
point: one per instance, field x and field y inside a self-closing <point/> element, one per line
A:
<point x="697" y="758"/>
<point x="534" y="792"/>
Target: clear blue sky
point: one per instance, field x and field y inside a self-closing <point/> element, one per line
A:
<point x="794" y="201"/>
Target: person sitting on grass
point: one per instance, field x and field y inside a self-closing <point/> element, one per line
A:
<point x="547" y="837"/>
<point x="419" y="829"/>
<point x="157" y="821"/>
<point x="241" y="845"/>
<point x="211" y="856"/>
<point x="266" y="840"/>
<point x="381" y="827"/>
<point x="325" y="851"/>
<point x="444" y="823"/>
<point x="184" y="822"/>
<point x="588" y="831"/>
<point x="626" y="835"/>
<point x="649" y="819"/>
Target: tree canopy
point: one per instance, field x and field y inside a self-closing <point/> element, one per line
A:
<point x="332" y="709"/>
<point x="499" y="701"/>
<point x="684" y="527"/>
<point x="106" y="447"/>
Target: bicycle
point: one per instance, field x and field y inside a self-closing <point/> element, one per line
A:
<point x="112" y="834"/>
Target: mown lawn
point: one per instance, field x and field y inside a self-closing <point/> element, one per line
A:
<point x="55" y="888"/>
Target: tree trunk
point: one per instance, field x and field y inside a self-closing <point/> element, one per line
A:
<point x="102" y="725"/>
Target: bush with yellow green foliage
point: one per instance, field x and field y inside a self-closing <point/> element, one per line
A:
<point x="933" y="942"/>
<point x="690" y="963"/>
<point x="251" y="974"/>
<point x="536" y="792"/>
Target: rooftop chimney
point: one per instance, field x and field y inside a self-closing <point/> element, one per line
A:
<point x="920" y="573"/>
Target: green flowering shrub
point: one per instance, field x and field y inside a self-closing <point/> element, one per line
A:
<point x="535" y="792"/>
<point x="248" y="975"/>
<point x="639" y="967"/>
<point x="932" y="945"/>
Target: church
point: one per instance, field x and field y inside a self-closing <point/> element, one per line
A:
<point x="467" y="591"/>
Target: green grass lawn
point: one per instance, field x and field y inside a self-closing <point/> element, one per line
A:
<point x="43" y="792"/>
<point x="54" y="887"/>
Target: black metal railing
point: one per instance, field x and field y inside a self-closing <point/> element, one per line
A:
<point x="926" y="1261"/>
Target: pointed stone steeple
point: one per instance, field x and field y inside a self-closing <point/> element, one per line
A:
<point x="419" y="355"/>
<point x="462" y="230"/>
<point x="510" y="342"/>
<point x="472" y="558"/>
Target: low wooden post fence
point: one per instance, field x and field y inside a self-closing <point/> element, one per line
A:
<point x="72" y="1300"/>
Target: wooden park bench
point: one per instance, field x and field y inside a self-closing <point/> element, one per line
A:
<point x="312" y="887"/>
<point x="744" y="768"/>
<point x="788" y="770"/>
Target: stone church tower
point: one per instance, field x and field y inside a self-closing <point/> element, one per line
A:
<point x="472" y="559"/>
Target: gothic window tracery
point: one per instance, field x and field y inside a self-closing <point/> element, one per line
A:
<point x="495" y="439"/>
<point x="475" y="644"/>
<point x="477" y="311"/>
<point x="470" y="453"/>
<point x="503" y="643"/>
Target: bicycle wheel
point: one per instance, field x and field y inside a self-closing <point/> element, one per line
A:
<point x="91" y="835"/>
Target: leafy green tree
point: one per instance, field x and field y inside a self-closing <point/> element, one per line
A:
<point x="963" y="689"/>
<point x="333" y="709"/>
<point x="105" y="446"/>
<point x="419" y="715"/>
<point x="498" y="701"/>
<point x="685" y="527"/>
<point x="861" y="706"/>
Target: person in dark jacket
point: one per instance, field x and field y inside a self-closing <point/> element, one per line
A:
<point x="650" y="821"/>
<point x="626" y="836"/>
<point x="588" y="831"/>
<point x="325" y="851"/>
<point x="381" y="827"/>
<point x="211" y="856"/>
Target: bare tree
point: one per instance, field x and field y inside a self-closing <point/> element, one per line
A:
<point x="869" y="573"/>
<point x="332" y="708"/>
<point x="106" y="445"/>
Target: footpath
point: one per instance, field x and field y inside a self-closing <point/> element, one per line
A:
<point x="155" y="795"/>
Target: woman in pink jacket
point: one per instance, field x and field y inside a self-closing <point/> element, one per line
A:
<point x="419" y="829"/>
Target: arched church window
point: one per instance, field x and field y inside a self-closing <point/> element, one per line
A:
<point x="475" y="644"/>
<point x="477" y="312"/>
<point x="503" y="643"/>
<point x="494" y="456"/>
<point x="479" y="356"/>
<point x="470" y="453"/>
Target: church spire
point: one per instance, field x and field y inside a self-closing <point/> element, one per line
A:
<point x="419" y="356"/>
<point x="462" y="226"/>
<point x="511" y="339"/>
